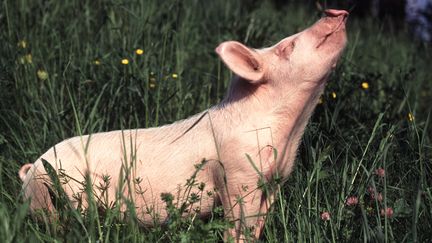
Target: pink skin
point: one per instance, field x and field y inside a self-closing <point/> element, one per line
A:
<point x="271" y="98"/>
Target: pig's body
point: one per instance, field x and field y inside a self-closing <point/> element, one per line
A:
<point x="267" y="107"/>
<point x="157" y="162"/>
<point x="170" y="158"/>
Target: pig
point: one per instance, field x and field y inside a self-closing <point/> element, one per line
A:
<point x="239" y="145"/>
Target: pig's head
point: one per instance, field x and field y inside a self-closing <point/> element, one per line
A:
<point x="301" y="61"/>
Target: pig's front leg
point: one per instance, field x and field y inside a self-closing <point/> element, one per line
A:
<point x="246" y="198"/>
<point x="248" y="209"/>
<point x="245" y="191"/>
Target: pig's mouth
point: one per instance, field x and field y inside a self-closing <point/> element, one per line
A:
<point x="333" y="29"/>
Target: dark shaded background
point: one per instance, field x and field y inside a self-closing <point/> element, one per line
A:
<point x="391" y="13"/>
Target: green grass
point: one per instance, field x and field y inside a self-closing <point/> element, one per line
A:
<point x="348" y="138"/>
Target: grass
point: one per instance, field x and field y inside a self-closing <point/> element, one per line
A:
<point x="69" y="79"/>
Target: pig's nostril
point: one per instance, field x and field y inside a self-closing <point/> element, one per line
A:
<point x="335" y="12"/>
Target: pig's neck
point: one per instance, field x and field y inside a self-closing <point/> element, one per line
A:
<point x="286" y="112"/>
<point x="292" y="117"/>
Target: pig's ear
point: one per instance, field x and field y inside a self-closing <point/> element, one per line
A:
<point x="243" y="61"/>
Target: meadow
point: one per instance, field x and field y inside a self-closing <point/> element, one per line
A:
<point x="364" y="167"/>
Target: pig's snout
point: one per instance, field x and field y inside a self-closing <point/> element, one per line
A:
<point x="335" y="20"/>
<point x="336" y="13"/>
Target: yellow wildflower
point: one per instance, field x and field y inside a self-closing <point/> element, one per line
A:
<point x="97" y="62"/>
<point x="410" y="117"/>
<point x="365" y="85"/>
<point x="22" y="44"/>
<point x="28" y="58"/>
<point x="333" y="95"/>
<point x="42" y="74"/>
<point x="139" y="51"/>
<point x="152" y="83"/>
<point x="125" y="61"/>
<point x="174" y="75"/>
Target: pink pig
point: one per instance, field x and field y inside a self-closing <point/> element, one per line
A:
<point x="250" y="137"/>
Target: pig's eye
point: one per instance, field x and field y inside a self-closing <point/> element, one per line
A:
<point x="292" y="46"/>
<point x="287" y="49"/>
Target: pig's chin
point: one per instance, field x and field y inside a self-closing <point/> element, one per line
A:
<point x="332" y="47"/>
<point x="331" y="36"/>
<point x="334" y="41"/>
